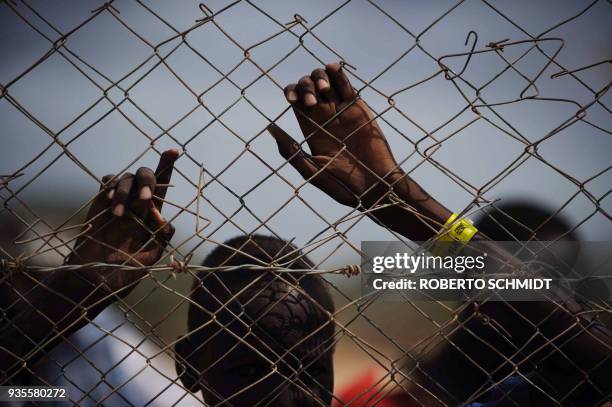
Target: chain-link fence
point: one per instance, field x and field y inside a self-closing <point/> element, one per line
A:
<point x="489" y="106"/>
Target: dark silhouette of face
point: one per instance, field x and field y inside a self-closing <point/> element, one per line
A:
<point x="524" y="221"/>
<point x="270" y="341"/>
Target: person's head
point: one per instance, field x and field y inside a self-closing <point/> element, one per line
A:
<point x="523" y="220"/>
<point x="519" y="221"/>
<point x="258" y="336"/>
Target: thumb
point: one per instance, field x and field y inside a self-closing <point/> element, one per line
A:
<point x="166" y="230"/>
<point x="290" y="150"/>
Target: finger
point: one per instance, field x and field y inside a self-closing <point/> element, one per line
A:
<point x="291" y="93"/>
<point x="109" y="184"/>
<point x="165" y="229"/>
<point x="101" y="202"/>
<point x="163" y="174"/>
<point x="122" y="192"/>
<point x="156" y="218"/>
<point x="321" y="80"/>
<point x="306" y="91"/>
<point x="145" y="183"/>
<point x="311" y="168"/>
<point x="291" y="151"/>
<point x="340" y="82"/>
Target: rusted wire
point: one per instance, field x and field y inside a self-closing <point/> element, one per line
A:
<point x="39" y="235"/>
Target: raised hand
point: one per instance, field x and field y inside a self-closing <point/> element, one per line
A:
<point x="125" y="225"/>
<point x="351" y="160"/>
<point x="347" y="144"/>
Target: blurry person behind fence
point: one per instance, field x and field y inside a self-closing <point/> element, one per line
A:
<point x="526" y="221"/>
<point x="520" y="221"/>
<point x="258" y="336"/>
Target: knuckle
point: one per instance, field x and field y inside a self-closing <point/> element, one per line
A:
<point x="333" y="67"/>
<point x="144" y="171"/>
<point x="318" y="73"/>
<point x="289" y="87"/>
<point x="305" y="81"/>
<point x="341" y="78"/>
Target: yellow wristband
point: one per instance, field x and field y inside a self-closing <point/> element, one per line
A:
<point x="458" y="233"/>
<point x="460" y="230"/>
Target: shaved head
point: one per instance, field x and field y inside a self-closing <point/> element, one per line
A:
<point x="259" y="336"/>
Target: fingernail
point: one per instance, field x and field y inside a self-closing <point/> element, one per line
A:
<point x="292" y="96"/>
<point x="322" y="84"/>
<point x="110" y="194"/>
<point x="174" y="152"/>
<point x="157" y="216"/>
<point x="145" y="193"/>
<point x="310" y="100"/>
<point x="119" y="209"/>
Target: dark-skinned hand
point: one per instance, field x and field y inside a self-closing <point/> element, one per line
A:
<point x="347" y="144"/>
<point x="124" y="224"/>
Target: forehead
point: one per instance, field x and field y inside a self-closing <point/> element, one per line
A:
<point x="266" y="321"/>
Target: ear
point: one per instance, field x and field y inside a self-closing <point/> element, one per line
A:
<point x="185" y="364"/>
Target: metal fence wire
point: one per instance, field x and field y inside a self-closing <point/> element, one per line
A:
<point x="266" y="320"/>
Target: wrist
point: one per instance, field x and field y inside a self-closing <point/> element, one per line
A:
<point x="401" y="205"/>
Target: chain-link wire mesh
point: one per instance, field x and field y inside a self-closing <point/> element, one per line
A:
<point x="258" y="321"/>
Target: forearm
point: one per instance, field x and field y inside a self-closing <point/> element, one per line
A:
<point x="414" y="214"/>
<point x="41" y="309"/>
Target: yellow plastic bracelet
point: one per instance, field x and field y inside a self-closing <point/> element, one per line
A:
<point x="461" y="230"/>
<point x="458" y="234"/>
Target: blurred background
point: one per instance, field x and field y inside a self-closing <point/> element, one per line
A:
<point x="92" y="89"/>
